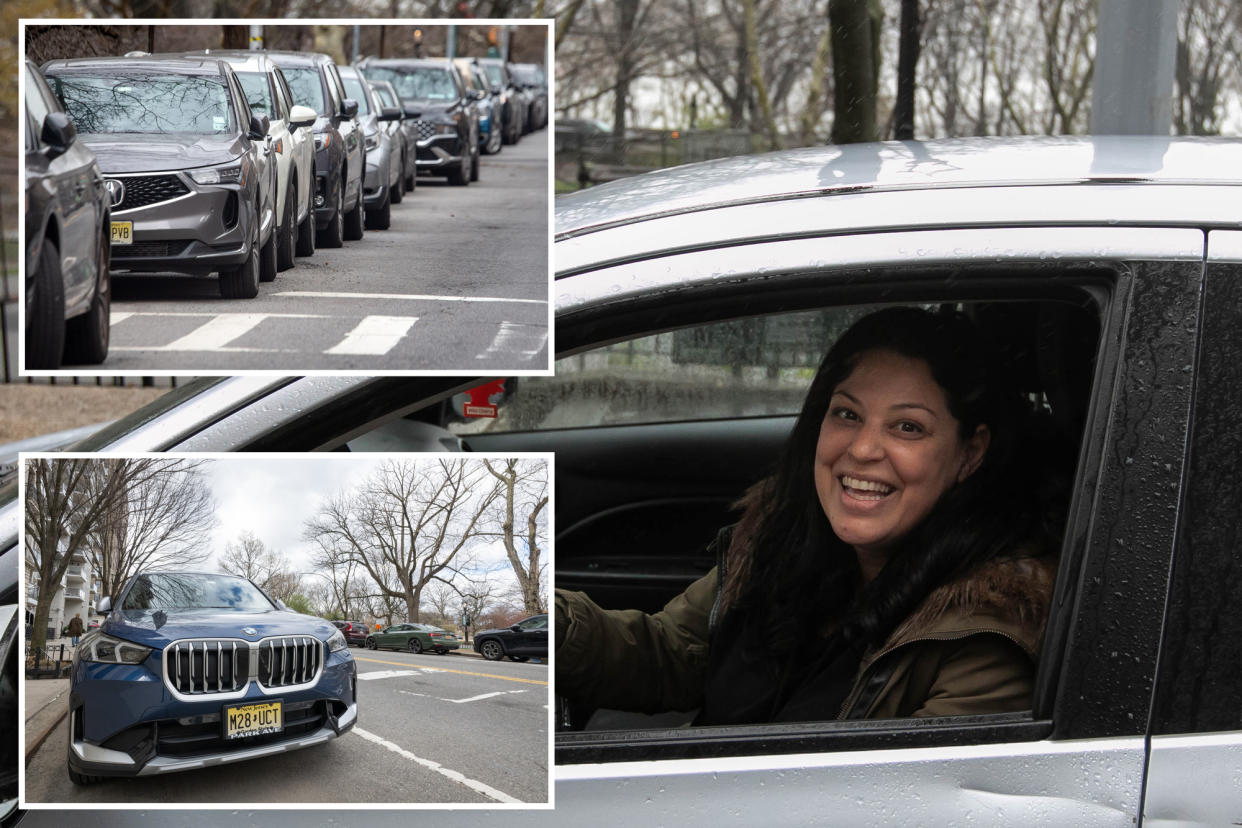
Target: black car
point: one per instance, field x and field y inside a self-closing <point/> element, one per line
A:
<point x="526" y="638"/>
<point x="531" y="78"/>
<point x="509" y="94"/>
<point x="340" y="155"/>
<point x="443" y="112"/>
<point x="183" y="157"/>
<point x="68" y="286"/>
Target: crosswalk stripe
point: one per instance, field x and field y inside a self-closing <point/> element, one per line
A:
<point x="374" y="335"/>
<point x="118" y="316"/>
<point x="311" y="294"/>
<point x="512" y="337"/>
<point x="217" y="332"/>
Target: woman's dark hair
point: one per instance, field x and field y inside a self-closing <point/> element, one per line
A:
<point x="788" y="573"/>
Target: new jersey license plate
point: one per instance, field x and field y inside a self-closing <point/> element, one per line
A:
<point x="242" y="720"/>
<point x="122" y="232"/>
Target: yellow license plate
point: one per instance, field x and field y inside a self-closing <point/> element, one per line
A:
<point x="244" y="720"/>
<point x="122" y="232"/>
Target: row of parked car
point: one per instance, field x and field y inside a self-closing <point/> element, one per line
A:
<point x="234" y="163"/>
<point x="519" y="642"/>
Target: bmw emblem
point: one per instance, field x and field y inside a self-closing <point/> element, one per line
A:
<point x="116" y="190"/>
<point x="250" y="631"/>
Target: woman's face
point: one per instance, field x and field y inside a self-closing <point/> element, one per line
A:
<point x="888" y="449"/>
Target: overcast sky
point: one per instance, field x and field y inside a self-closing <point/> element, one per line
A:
<point x="273" y="497"/>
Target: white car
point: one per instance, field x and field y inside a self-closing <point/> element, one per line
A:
<point x="290" y="140"/>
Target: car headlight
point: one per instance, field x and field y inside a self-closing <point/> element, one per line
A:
<point x="337" y="642"/>
<point x="449" y="128"/>
<point x="230" y="174"/>
<point x="322" y="139"/>
<point x="105" y="649"/>
<point x="372" y="141"/>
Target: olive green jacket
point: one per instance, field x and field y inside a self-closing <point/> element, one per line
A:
<point x="971" y="647"/>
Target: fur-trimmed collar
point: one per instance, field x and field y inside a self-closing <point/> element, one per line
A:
<point x="1010" y="596"/>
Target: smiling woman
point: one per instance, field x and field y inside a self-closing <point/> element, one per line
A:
<point x="901" y="542"/>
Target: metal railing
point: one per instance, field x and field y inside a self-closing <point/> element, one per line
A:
<point x="48" y="662"/>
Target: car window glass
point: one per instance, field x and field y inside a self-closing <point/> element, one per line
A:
<point x="355" y="90"/>
<point x="307" y="89"/>
<point x="145" y="103"/>
<point x="386" y="98"/>
<point x="334" y="81"/>
<point x="424" y="83"/>
<point x="36" y="105"/>
<point x="758" y="366"/>
<point x="283" y="97"/>
<point x="258" y="93"/>
<point x="164" y="591"/>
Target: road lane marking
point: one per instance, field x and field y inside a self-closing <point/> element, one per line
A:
<point x="201" y="314"/>
<point x="216" y="332"/>
<point x="374" y="335"/>
<point x="456" y="776"/>
<point x="118" y="317"/>
<point x="319" y="294"/>
<point x="512" y="337"/>
<point x="383" y="674"/>
<point x="458" y="672"/>
<point x="484" y="696"/>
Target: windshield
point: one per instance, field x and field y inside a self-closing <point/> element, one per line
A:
<point x="354" y="89"/>
<point x="258" y="92"/>
<point x="145" y="102"/>
<point x="493" y="73"/>
<point x="306" y="88"/>
<point x="193" y="590"/>
<point x="427" y="83"/>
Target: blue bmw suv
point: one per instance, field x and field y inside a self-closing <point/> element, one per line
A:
<point x="196" y="669"/>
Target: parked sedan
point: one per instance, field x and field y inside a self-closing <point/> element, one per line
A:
<point x="68" y="287"/>
<point x="526" y="638"/>
<point x="289" y="143"/>
<point x="691" y="301"/>
<point x="383" y="176"/>
<point x="196" y="669"/>
<point x="182" y="155"/>
<point x="340" y="153"/>
<point x="443" y="112"/>
<point x="416" y="638"/>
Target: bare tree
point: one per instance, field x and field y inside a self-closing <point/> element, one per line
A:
<point x="407" y="524"/>
<point x="523" y="497"/>
<point x="855" y="26"/>
<point x="160" y="521"/>
<point x="268" y="568"/>
<point x="1209" y="61"/>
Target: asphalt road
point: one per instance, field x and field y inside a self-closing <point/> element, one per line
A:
<point x="431" y="729"/>
<point x="459" y="282"/>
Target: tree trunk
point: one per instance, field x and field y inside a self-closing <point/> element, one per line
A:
<point x="907" y="71"/>
<point x="756" y="75"/>
<point x="855" y="28"/>
<point x="627" y="13"/>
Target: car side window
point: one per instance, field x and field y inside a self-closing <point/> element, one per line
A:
<point x="37" y="105"/>
<point x="278" y="98"/>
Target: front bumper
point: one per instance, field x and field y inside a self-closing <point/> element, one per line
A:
<point x="204" y="228"/>
<point x="439" y="153"/>
<point x="327" y="182"/>
<point x="124" y="721"/>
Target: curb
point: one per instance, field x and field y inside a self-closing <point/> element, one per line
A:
<point x="32" y="745"/>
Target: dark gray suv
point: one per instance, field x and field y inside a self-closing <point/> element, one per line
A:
<point x="182" y="157"/>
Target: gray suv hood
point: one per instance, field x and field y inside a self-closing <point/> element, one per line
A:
<point x="150" y="153"/>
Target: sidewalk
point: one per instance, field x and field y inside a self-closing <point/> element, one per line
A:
<point x="47" y="702"/>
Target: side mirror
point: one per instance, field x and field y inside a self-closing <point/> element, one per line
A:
<point x="259" y="124"/>
<point x="104" y="606"/>
<point x="58" y="134"/>
<point x="349" y="108"/>
<point x="478" y="94"/>
<point x="516" y="628"/>
<point x="411" y="110"/>
<point x="302" y="116"/>
<point x="390" y="113"/>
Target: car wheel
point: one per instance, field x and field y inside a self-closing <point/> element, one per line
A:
<point x="474" y="163"/>
<point x="459" y="176"/>
<point x="494" y="141"/>
<point x="519" y="658"/>
<point x="267" y="258"/>
<point x="45" y="313"/>
<point x="306" y="231"/>
<point x="86" y="337"/>
<point x="370" y="643"/>
<point x="242" y="282"/>
<point x="442" y="652"/>
<point x="286" y="250"/>
<point x="381" y="217"/>
<point x="355" y="220"/>
<point x="416" y="646"/>
<point x="492" y="650"/>
<point x="334" y="234"/>
<point x="397" y="191"/>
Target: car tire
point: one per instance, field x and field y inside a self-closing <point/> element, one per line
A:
<point x="381" y="217"/>
<point x="267" y="259"/>
<point x="492" y="650"/>
<point x="474" y="163"/>
<point x="459" y="176"/>
<point x="442" y="652"/>
<point x="242" y="282"/>
<point x="370" y="643"/>
<point x="519" y="658"/>
<point x="355" y="220"/>
<point x="286" y="249"/>
<point x="86" y="337"/>
<point x="494" y="140"/>
<point x="334" y="234"/>
<point x="45" y="315"/>
<point x="306" y="231"/>
<point x="416" y="646"/>
<point x="397" y="193"/>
